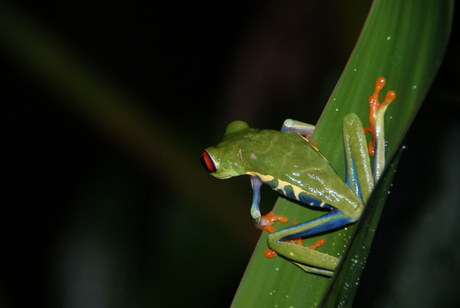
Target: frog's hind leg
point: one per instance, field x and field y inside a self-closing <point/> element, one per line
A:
<point x="359" y="172"/>
<point x="305" y="257"/>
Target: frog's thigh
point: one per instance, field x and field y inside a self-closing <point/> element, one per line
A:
<point x="304" y="255"/>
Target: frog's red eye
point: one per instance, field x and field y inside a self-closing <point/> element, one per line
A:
<point x="207" y="162"/>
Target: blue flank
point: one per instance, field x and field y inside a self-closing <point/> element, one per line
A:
<point x="303" y="197"/>
<point x="307" y="199"/>
<point x="289" y="192"/>
<point x="273" y="183"/>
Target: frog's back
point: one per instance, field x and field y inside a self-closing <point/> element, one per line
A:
<point x="278" y="151"/>
<point x="291" y="165"/>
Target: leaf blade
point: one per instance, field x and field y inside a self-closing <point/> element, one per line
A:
<point x="389" y="47"/>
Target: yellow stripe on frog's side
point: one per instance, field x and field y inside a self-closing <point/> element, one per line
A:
<point x="281" y="188"/>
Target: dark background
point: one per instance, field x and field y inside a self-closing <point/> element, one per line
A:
<point x="84" y="223"/>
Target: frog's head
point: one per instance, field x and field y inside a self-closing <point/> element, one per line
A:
<point x="224" y="160"/>
<point x="220" y="168"/>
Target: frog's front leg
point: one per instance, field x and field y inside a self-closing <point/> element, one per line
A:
<point x="256" y="183"/>
<point x="294" y="126"/>
<point x="262" y="222"/>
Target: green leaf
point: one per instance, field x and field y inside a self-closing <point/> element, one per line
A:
<point x="403" y="41"/>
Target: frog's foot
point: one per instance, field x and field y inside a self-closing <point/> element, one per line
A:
<point x="270" y="253"/>
<point x="318" y="243"/>
<point x="267" y="221"/>
<point x="377" y="112"/>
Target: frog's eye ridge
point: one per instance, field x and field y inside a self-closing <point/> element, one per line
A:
<point x="207" y="162"/>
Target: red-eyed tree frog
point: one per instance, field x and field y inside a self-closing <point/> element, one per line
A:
<point x="291" y="165"/>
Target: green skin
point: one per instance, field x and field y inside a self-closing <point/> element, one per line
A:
<point x="292" y="166"/>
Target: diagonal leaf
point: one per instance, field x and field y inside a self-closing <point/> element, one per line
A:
<point x="403" y="41"/>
